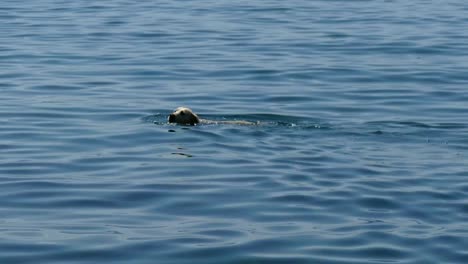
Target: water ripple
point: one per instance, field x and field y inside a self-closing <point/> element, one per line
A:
<point x="359" y="154"/>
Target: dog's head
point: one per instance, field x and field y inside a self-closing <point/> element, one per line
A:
<point x="184" y="116"/>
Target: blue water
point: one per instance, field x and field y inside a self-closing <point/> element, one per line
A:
<point x="360" y="155"/>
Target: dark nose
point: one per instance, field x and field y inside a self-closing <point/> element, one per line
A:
<point x="171" y="118"/>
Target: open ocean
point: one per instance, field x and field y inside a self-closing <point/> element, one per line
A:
<point x="360" y="154"/>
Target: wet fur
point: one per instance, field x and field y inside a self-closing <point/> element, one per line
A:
<point x="185" y="116"/>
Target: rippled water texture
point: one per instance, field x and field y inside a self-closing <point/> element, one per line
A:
<point x="359" y="155"/>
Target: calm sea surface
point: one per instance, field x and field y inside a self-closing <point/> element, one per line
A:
<point x="360" y="155"/>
